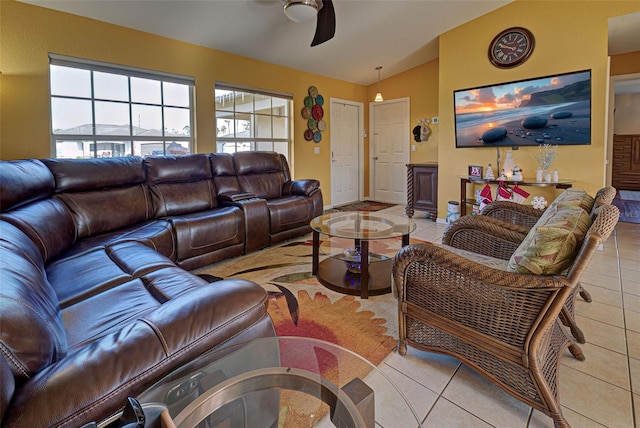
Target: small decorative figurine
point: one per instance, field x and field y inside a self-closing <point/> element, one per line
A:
<point x="489" y="175"/>
<point x="503" y="176"/>
<point x="517" y="173"/>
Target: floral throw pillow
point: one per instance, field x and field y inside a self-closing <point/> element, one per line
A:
<point x="553" y="242"/>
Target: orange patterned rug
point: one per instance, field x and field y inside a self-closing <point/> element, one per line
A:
<point x="300" y="306"/>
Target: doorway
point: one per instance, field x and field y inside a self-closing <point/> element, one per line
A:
<point x="389" y="148"/>
<point x="347" y="144"/>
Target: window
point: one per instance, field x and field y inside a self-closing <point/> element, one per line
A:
<point x="102" y="110"/>
<point x="252" y="120"/>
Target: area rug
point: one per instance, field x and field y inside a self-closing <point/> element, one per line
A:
<point x="629" y="195"/>
<point x="629" y="206"/>
<point x="368" y="206"/>
<point x="300" y="306"/>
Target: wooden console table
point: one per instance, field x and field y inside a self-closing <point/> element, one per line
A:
<point x="563" y="184"/>
<point x="422" y="189"/>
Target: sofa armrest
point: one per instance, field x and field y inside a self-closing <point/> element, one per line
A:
<point x="300" y="187"/>
<point x="234" y="197"/>
<point x="485" y="235"/>
<point x="512" y="212"/>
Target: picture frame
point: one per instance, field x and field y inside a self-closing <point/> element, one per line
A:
<point x="474" y="172"/>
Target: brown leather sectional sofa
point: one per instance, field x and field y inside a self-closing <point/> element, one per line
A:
<point x="96" y="301"/>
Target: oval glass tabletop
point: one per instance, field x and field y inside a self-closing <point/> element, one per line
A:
<point x="284" y="382"/>
<point x="363" y="225"/>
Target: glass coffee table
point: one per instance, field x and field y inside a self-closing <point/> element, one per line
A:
<point x="279" y="382"/>
<point x="346" y="270"/>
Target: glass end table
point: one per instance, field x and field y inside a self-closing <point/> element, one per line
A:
<point x="279" y="382"/>
<point x="346" y="270"/>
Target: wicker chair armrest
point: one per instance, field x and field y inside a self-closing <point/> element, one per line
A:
<point x="512" y="212"/>
<point x="485" y="235"/>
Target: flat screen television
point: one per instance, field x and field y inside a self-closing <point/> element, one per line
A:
<point x="546" y="110"/>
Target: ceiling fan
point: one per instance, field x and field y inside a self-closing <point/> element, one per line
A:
<point x="304" y="10"/>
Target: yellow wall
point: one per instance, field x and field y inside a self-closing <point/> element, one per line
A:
<point x="28" y="33"/>
<point x="569" y="37"/>
<point x="421" y="85"/>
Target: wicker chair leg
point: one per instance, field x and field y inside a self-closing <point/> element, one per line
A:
<point x="567" y="319"/>
<point x="560" y="422"/>
<point x="584" y="293"/>
<point x="402" y="347"/>
<point x="576" y="351"/>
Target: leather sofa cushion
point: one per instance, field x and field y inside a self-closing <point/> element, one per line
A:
<point x="78" y="175"/>
<point x="97" y="212"/>
<point x="224" y="173"/>
<point x="289" y="213"/>
<point x="32" y="335"/>
<point x="47" y="223"/>
<point x="24" y="181"/>
<point x="260" y="173"/>
<point x="156" y="234"/>
<point x="180" y="185"/>
<point x="100" y="269"/>
<point x="207" y="231"/>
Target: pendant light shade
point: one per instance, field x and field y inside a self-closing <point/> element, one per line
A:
<point x="378" y="98"/>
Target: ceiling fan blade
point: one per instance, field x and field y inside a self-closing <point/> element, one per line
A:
<point x="326" y="24"/>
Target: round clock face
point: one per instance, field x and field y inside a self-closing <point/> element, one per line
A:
<point x="511" y="47"/>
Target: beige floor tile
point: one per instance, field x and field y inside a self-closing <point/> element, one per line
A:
<point x="631" y="302"/>
<point x="603" y="295"/>
<point x="595" y="399"/>
<point x="630" y="265"/>
<point x="604" y="259"/>
<point x="475" y="394"/>
<point x="419" y="397"/>
<point x="427" y="368"/>
<point x="601" y="280"/>
<point x="600" y="312"/>
<point x="628" y="274"/>
<point x="634" y="368"/>
<point x="633" y="342"/>
<point x="631" y="286"/>
<point x="601" y="363"/>
<point x="604" y="335"/>
<point x="629" y="254"/>
<point x="602" y="268"/>
<point x="540" y="420"/>
<point x="447" y="414"/>
<point x="632" y="320"/>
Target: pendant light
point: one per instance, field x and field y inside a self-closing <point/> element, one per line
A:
<point x="378" y="98"/>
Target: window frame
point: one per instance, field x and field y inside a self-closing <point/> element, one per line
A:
<point x="254" y="140"/>
<point x="94" y="139"/>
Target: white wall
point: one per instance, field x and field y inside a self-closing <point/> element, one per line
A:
<point x="627" y="114"/>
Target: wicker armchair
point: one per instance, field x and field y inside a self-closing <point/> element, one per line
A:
<point x="527" y="216"/>
<point x="504" y="325"/>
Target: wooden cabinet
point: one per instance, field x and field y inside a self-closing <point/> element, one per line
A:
<point x="625" y="168"/>
<point x="422" y="189"/>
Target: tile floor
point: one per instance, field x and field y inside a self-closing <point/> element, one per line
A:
<point x="602" y="391"/>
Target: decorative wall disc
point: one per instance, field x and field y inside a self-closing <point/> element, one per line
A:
<point x="312" y="124"/>
<point x="320" y="100"/>
<point x="322" y="125"/>
<point x="308" y="102"/>
<point x="317" y="111"/>
<point x="317" y="136"/>
<point x="306" y="113"/>
<point x="308" y="135"/>
<point x="313" y="91"/>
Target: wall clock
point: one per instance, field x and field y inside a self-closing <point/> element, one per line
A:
<point x="511" y="47"/>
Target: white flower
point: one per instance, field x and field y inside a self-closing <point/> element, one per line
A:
<point x="539" y="202"/>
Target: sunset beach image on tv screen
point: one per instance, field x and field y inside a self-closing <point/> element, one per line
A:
<point x="545" y="110"/>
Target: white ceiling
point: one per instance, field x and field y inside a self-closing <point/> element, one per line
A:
<point x="396" y="34"/>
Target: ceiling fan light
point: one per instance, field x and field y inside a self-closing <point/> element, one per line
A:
<point x="301" y="10"/>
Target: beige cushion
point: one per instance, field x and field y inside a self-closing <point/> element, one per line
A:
<point x="488" y="261"/>
<point x="575" y="197"/>
<point x="551" y="245"/>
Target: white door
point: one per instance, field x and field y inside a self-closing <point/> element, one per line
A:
<point x="346" y="140"/>
<point x="390" y="150"/>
